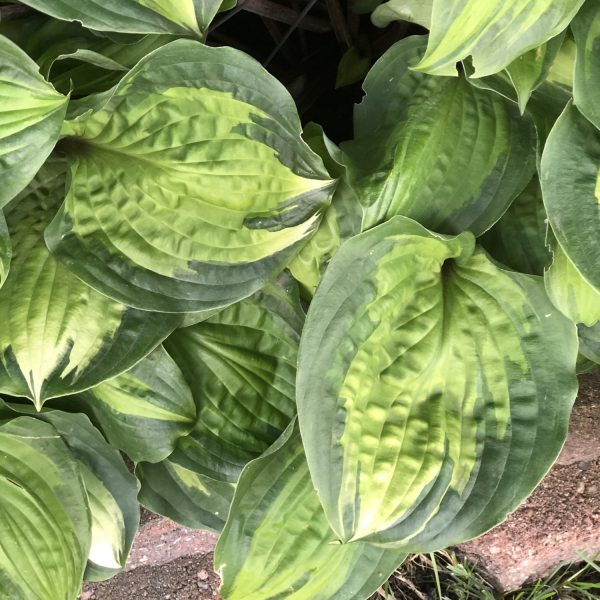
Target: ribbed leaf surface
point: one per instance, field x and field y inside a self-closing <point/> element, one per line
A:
<point x="31" y="115"/>
<point x="44" y="521"/>
<point x="189" y="498"/>
<point x="434" y="389"/>
<point x="241" y="367"/>
<point x="493" y="32"/>
<point x="277" y="542"/>
<point x="144" y="411"/>
<point x="58" y="335"/>
<point x="190" y="186"/>
<point x="436" y="149"/>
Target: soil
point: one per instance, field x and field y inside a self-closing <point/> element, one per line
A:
<point x="561" y="520"/>
<point x="187" y="578"/>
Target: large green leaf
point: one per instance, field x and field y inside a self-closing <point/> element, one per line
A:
<point x="111" y="490"/>
<point x="570" y="292"/>
<point x="241" y="367"/>
<point x="586" y="30"/>
<point x="74" y="58"/>
<point x="189" y="498"/>
<point x="190" y="185"/>
<point x="414" y="11"/>
<point x="519" y="238"/>
<point x="44" y="520"/>
<point x="570" y="178"/>
<point x="58" y="335"/>
<point x="434" y="389"/>
<point x="144" y="411"/>
<point x="493" y="32"/>
<point x="184" y="17"/>
<point x="436" y="149"/>
<point x="31" y="115"/>
<point x="277" y="542"/>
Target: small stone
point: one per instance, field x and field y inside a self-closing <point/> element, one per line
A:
<point x="86" y="595"/>
<point x="581" y="487"/>
<point x="584" y="466"/>
<point x="203" y="575"/>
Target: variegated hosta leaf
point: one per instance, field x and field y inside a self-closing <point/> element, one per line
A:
<point x="189" y="498"/>
<point x="144" y="411"/>
<point x="570" y="292"/>
<point x="586" y="30"/>
<point x="76" y="59"/>
<point x="31" y="115"/>
<point x="570" y="178"/>
<point x="435" y="149"/>
<point x="277" y="542"/>
<point x="44" y="520"/>
<point x="589" y="342"/>
<point x="5" y="249"/>
<point x="414" y="11"/>
<point x="58" y="335"/>
<point x="529" y="71"/>
<point x="111" y="491"/>
<point x="183" y="17"/>
<point x="493" y="32"/>
<point x="341" y="220"/>
<point x="241" y="367"/>
<point x="519" y="238"/>
<point x="190" y="185"/>
<point x="434" y="389"/>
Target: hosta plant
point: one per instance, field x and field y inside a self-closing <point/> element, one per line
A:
<point x="333" y="355"/>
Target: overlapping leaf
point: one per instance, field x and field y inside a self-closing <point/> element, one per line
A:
<point x="570" y="292"/>
<point x="241" y="367"/>
<point x="570" y="181"/>
<point x="520" y="238"/>
<point x="31" y="115"/>
<point x="493" y="32"/>
<point x="190" y="187"/>
<point x="586" y="30"/>
<point x="438" y="150"/>
<point x="44" y="520"/>
<point x="144" y="411"/>
<point x="277" y="542"/>
<point x="5" y="249"/>
<point x="184" y="17"/>
<point x="189" y="498"/>
<point x="58" y="335"/>
<point x="434" y="389"/>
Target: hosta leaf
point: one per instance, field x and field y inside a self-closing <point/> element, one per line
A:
<point x="184" y="17"/>
<point x="44" y="520"/>
<point x="58" y="335"/>
<point x="111" y="490"/>
<point x="414" y="11"/>
<point x="434" y="388"/>
<point x="405" y="160"/>
<point x="76" y="59"/>
<point x="277" y="542"/>
<point x="341" y="220"/>
<point x="189" y="498"/>
<point x="241" y="367"/>
<point x="570" y="178"/>
<point x="529" y="71"/>
<point x="589" y="342"/>
<point x="5" y="249"/>
<point x="519" y="238"/>
<point x="493" y="32"/>
<point x="144" y="411"/>
<point x="586" y="30"/>
<point x="191" y="186"/>
<point x="570" y="292"/>
<point x="31" y="115"/>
